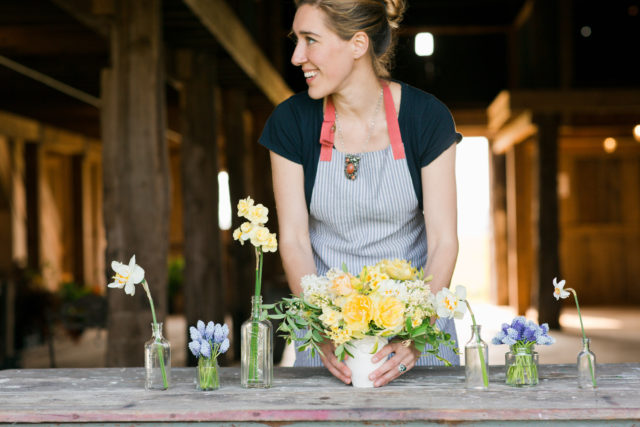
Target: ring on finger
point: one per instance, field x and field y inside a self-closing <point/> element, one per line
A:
<point x="402" y="368"/>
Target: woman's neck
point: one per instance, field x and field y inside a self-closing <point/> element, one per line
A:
<point x="358" y="96"/>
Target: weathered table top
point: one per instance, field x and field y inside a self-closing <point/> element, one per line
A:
<point x="302" y="395"/>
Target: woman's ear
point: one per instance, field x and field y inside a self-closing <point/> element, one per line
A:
<point x="359" y="44"/>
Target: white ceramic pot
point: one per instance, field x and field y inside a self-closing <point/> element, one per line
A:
<point x="360" y="364"/>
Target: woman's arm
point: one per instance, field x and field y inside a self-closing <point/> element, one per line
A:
<point x="293" y="220"/>
<point x="441" y="217"/>
<point x="294" y="243"/>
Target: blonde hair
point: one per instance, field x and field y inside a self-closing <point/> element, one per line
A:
<point x="379" y="19"/>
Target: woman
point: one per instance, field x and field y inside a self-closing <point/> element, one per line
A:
<point x="354" y="181"/>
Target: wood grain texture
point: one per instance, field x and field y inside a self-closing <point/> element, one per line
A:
<point x="433" y="394"/>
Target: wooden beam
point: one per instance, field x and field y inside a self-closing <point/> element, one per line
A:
<point x="576" y="101"/>
<point x="524" y="14"/>
<point x="83" y="12"/>
<point x="515" y="131"/>
<point x="499" y="111"/>
<point x="453" y="30"/>
<point x="50" y="81"/>
<point x="220" y="20"/>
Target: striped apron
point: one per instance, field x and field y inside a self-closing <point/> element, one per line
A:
<point x="373" y="217"/>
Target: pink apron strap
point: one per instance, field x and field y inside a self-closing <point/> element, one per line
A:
<point x="328" y="131"/>
<point x="392" y="124"/>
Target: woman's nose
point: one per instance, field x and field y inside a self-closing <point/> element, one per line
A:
<point x="298" y="58"/>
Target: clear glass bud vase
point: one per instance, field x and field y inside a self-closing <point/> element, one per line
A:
<point x="586" y="366"/>
<point x="476" y="361"/>
<point x="208" y="378"/>
<point x="521" y="364"/>
<point x="256" y="349"/>
<point x="157" y="360"/>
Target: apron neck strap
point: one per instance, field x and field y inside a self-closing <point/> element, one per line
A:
<point x="328" y="131"/>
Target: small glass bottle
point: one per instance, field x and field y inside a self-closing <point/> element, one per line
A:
<point x="208" y="378"/>
<point x="586" y="366"/>
<point x="476" y="356"/>
<point x="256" y="349"/>
<point x="157" y="360"/>
<point x="521" y="364"/>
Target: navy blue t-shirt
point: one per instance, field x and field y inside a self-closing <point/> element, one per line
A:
<point x="426" y="126"/>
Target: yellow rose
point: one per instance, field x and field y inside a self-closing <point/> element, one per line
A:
<point x="260" y="236"/>
<point x="399" y="269"/>
<point x="389" y="313"/>
<point x="342" y="285"/>
<point x="358" y="312"/>
<point x="244" y="205"/>
<point x="258" y="214"/>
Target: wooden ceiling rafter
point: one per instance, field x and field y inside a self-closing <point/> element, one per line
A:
<point x="225" y="26"/>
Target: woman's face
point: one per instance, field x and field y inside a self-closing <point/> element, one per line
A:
<point x="326" y="60"/>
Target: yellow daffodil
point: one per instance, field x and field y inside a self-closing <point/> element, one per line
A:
<point x="258" y="214"/>
<point x="127" y="276"/>
<point x="272" y="244"/>
<point x="260" y="236"/>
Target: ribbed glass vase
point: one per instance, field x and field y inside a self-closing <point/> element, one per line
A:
<point x="521" y="364"/>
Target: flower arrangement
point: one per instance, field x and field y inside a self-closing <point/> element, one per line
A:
<point x="127" y="276"/>
<point x="254" y="231"/>
<point x="207" y="343"/>
<point x="560" y="292"/>
<point x="521" y="335"/>
<point x="389" y="299"/>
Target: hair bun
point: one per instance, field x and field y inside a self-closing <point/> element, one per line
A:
<point x="395" y="11"/>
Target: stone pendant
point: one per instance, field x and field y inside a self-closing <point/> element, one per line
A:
<point x="351" y="164"/>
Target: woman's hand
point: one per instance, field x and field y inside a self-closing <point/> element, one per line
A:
<point x="406" y="356"/>
<point x="337" y="368"/>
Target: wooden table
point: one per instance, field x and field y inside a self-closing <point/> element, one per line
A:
<point x="423" y="396"/>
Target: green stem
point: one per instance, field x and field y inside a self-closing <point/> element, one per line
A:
<point x="255" y="317"/>
<point x="485" y="378"/>
<point x="165" y="382"/>
<point x="584" y="336"/>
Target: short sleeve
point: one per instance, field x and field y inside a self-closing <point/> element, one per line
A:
<point x="281" y="133"/>
<point x="438" y="131"/>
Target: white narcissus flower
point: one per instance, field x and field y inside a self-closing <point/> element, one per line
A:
<point x="244" y="205"/>
<point x="558" y="290"/>
<point x="260" y="236"/>
<point x="127" y="276"/>
<point x="449" y="305"/>
<point x="258" y="214"/>
<point x="272" y="244"/>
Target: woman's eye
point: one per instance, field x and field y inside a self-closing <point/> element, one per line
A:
<point x="310" y="41"/>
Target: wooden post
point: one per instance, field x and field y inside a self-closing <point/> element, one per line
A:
<point x="136" y="172"/>
<point x="240" y="165"/>
<point x="519" y="188"/>
<point x="204" y="293"/>
<point x="500" y="280"/>
<point x="547" y="237"/>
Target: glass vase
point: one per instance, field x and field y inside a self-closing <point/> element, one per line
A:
<point x="157" y="360"/>
<point x="521" y="364"/>
<point x="256" y="349"/>
<point x="476" y="361"/>
<point x="586" y="366"/>
<point x="207" y="374"/>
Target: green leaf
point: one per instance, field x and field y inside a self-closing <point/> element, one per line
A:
<point x="344" y="267"/>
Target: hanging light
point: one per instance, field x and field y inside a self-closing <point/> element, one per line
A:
<point x="424" y="44"/>
<point x="610" y="145"/>
<point x="636" y="133"/>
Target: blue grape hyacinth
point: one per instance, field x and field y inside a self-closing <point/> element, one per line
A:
<point x="208" y="341"/>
